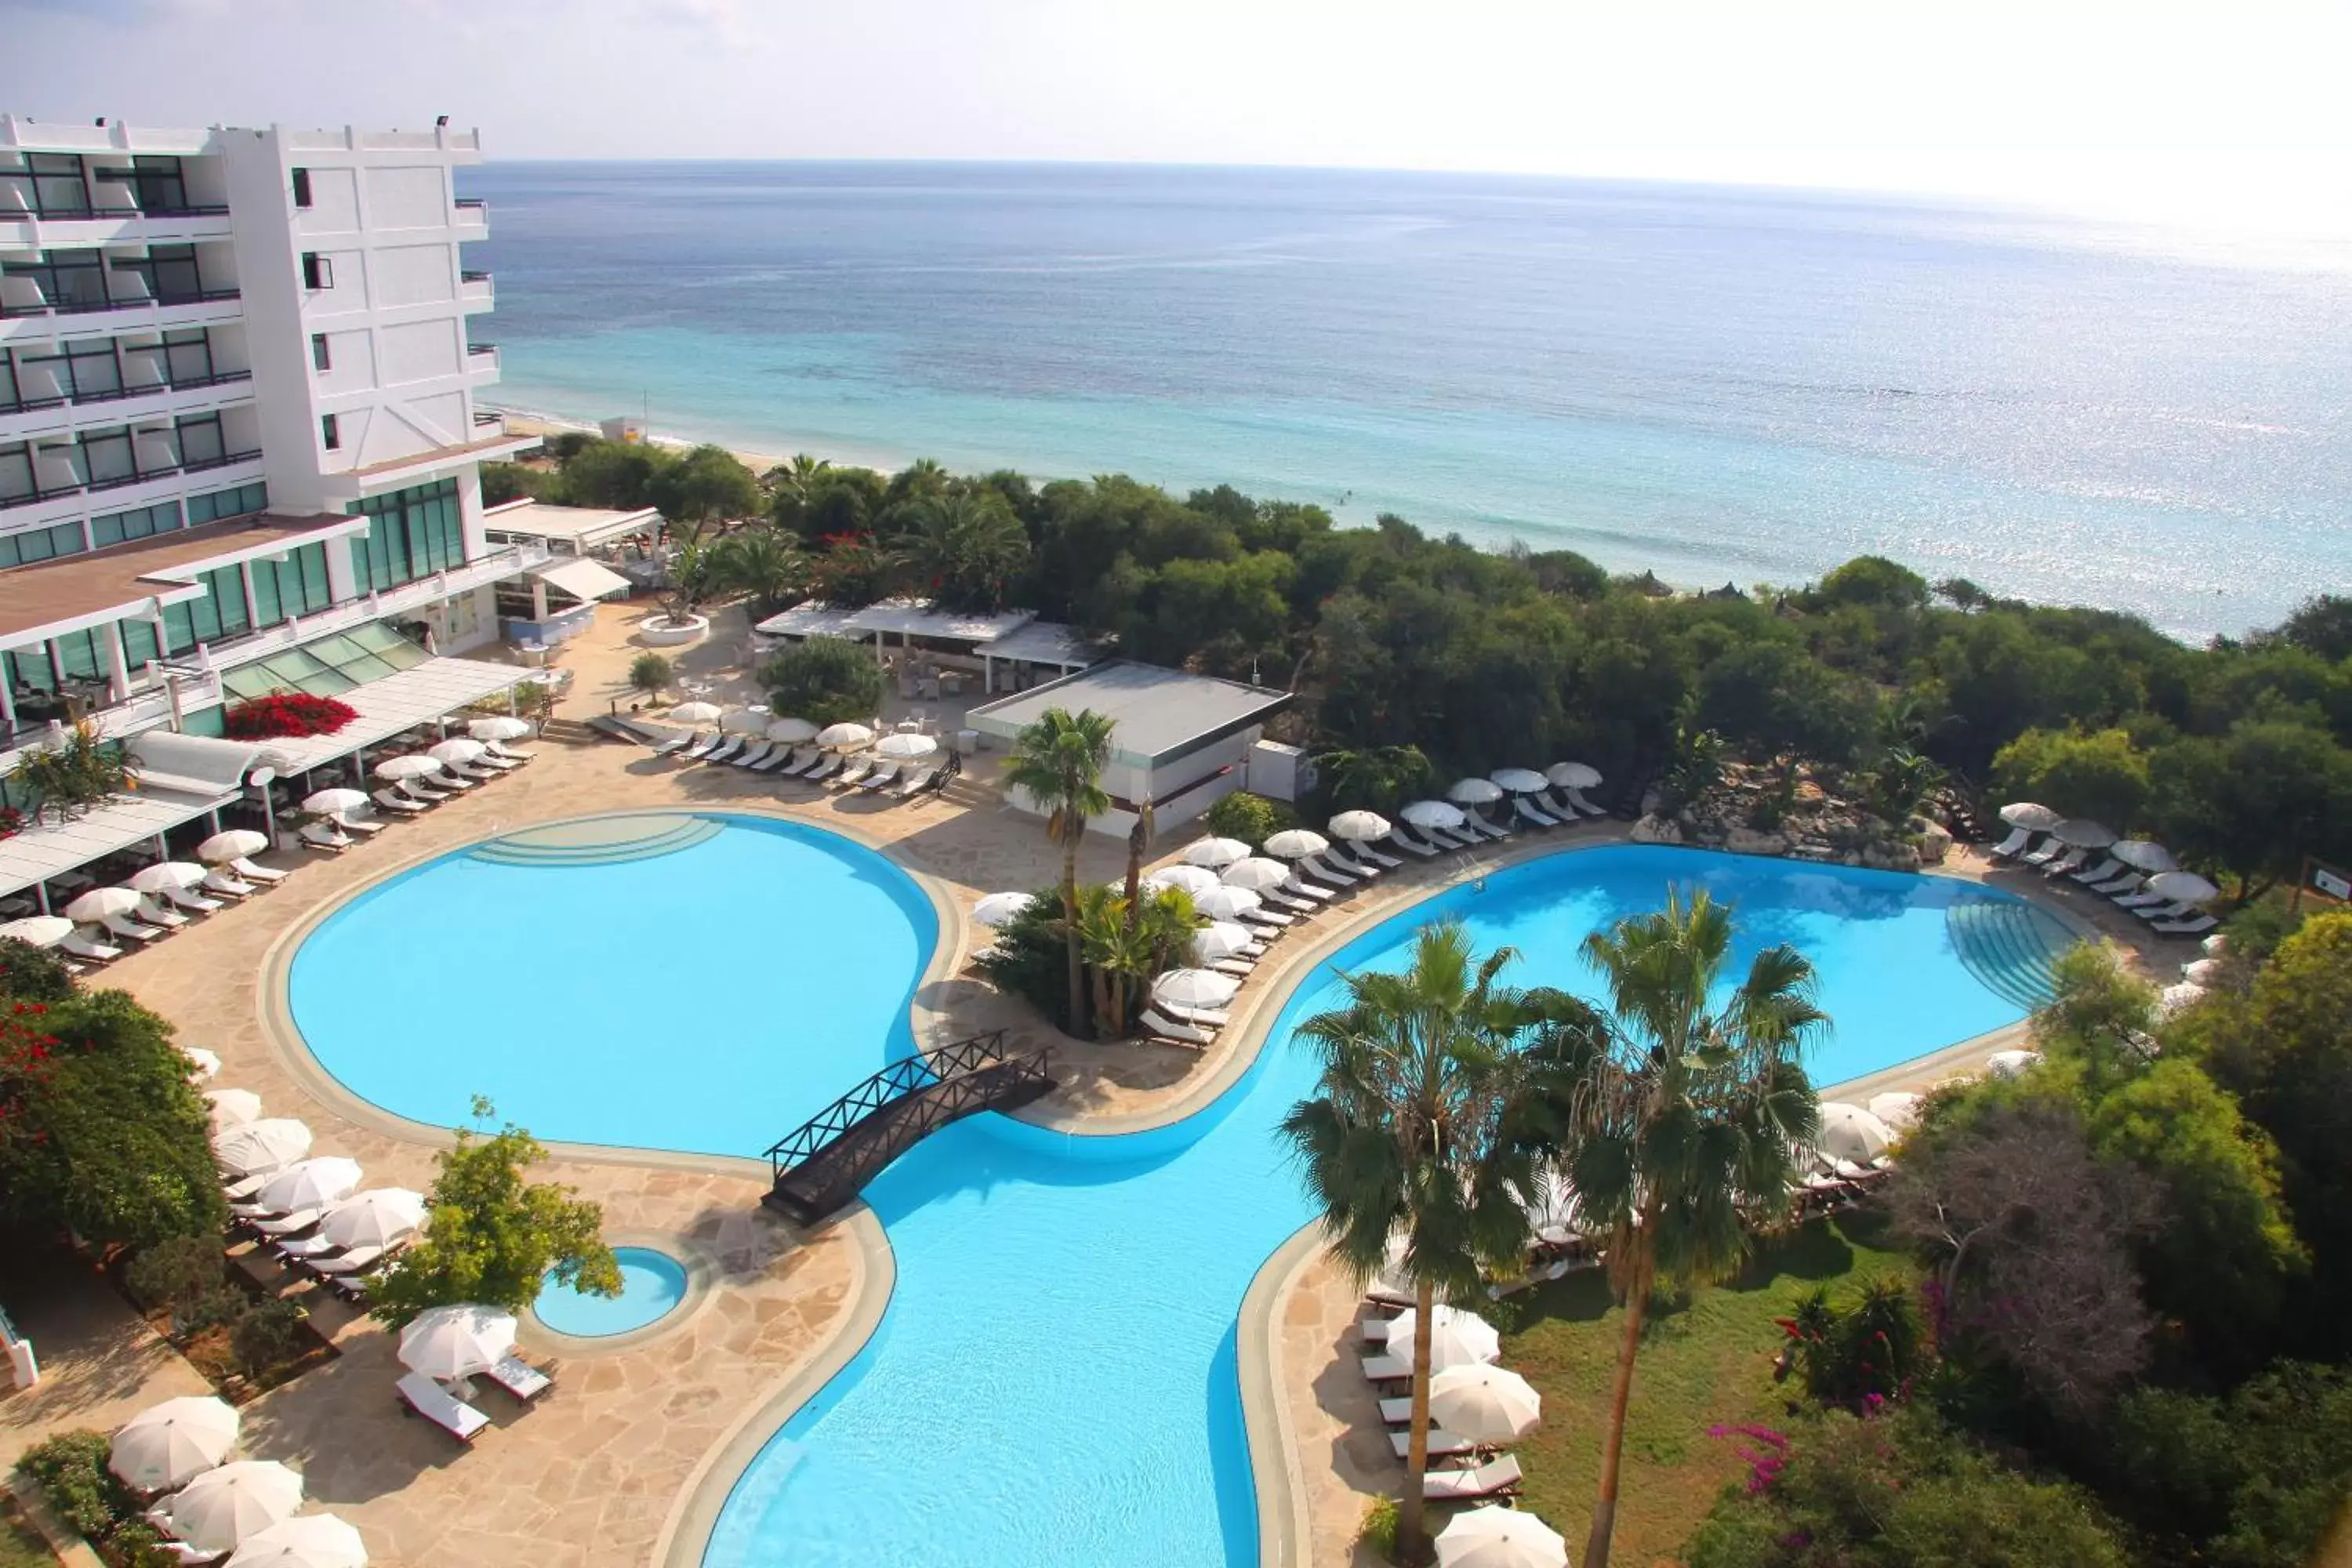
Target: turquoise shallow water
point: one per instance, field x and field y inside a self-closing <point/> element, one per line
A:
<point x="1054" y="1381"/>
<point x="652" y="1285"/>
<point x="708" y="1000"/>
<point x="1720" y="384"/>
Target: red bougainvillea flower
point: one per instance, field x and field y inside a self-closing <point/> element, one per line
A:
<point x="287" y="714"/>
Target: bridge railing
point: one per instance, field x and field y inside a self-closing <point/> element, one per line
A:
<point x="906" y="1075"/>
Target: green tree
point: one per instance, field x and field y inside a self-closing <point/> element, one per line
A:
<point x="1375" y="778"/>
<point x="706" y="486"/>
<point x="2100" y="775"/>
<point x="694" y="574"/>
<point x="1057" y="762"/>
<point x="966" y="549"/>
<point x="1252" y="818"/>
<point x="99" y="1131"/>
<point x="29" y="973"/>
<point x="762" y="563"/>
<point x="494" y="1237"/>
<point x="650" y="673"/>
<point x="1875" y="583"/>
<point x="1411" y="1134"/>
<point x="618" y="475"/>
<point x="825" y="680"/>
<point x="1677" y="1112"/>
<point x="2255" y="801"/>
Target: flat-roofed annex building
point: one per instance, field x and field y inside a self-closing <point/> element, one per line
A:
<point x="1180" y="742"/>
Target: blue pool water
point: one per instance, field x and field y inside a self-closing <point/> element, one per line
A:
<point x="652" y="1285"/>
<point x="706" y="1000"/>
<point x="1057" y="1360"/>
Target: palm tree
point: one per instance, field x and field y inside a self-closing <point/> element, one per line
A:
<point x="763" y="564"/>
<point x="1057" y="762"/>
<point x="1138" y="845"/>
<point x="965" y="549"/>
<point x="1673" y="1115"/>
<point x="1411" y="1134"/>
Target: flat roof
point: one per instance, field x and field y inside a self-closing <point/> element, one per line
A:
<point x="38" y="853"/>
<point x="1045" y="642"/>
<point x="583" y="525"/>
<point x="417" y="695"/>
<point x="56" y="597"/>
<point x="1159" y="714"/>
<point x="910" y="617"/>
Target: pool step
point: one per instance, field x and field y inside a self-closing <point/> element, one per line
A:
<point x="2011" y="947"/>
<point x="603" y="842"/>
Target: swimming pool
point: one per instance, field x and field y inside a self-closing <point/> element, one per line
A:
<point x="652" y="1285"/>
<point x="1053" y="1381"/>
<point x="693" y="981"/>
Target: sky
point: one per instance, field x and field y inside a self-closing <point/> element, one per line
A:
<point x="2228" y="115"/>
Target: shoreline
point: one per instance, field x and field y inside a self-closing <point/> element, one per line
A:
<point x="524" y="422"/>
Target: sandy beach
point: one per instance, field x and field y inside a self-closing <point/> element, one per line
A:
<point x="758" y="462"/>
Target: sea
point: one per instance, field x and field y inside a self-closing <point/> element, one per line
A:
<point x="1717" y="386"/>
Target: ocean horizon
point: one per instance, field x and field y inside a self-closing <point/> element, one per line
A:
<point x="1717" y="385"/>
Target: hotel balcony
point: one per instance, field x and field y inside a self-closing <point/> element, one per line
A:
<point x="62" y="488"/>
<point x="476" y="292"/>
<point x="482" y="361"/>
<point x="40" y="415"/>
<point x="24" y="315"/>
<point x="23" y="229"/>
<point x="472" y="219"/>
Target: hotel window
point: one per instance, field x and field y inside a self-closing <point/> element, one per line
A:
<point x="65" y="278"/>
<point x="331" y="432"/>
<point x="188" y="355"/>
<point x="238" y="502"/>
<point x="201" y="443"/>
<point x="221" y="613"/>
<point x="320" y="357"/>
<point x="142" y="522"/>
<point x="58" y="189"/>
<point x="411" y="533"/>
<point x="42" y="545"/>
<point x="302" y="187"/>
<point x="83" y="370"/>
<point x="158" y="182"/>
<point x="318" y="272"/>
<point x="294" y="586"/>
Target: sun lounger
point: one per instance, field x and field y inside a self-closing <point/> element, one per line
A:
<point x="2165" y="909"/>
<point x="506" y="753"/>
<point x="776" y="758"/>
<point x="1154" y="1023"/>
<point x="1498" y="831"/>
<point x="752" y="755"/>
<point x="1532" y="812"/>
<point x="419" y="792"/>
<point x="1493" y="1479"/>
<point x="288" y="1225"/>
<point x="1297" y="906"/>
<point x="497" y="764"/>
<point x="2110" y="866"/>
<point x="393" y="800"/>
<point x="2123" y="882"/>
<point x="358" y="1261"/>
<point x="519" y="1378"/>
<point x="1319" y="866"/>
<point x="854" y="773"/>
<point x="2043" y="856"/>
<point x="1387" y="1368"/>
<point x="352" y="823"/>
<point x="220" y="881"/>
<point x="1299" y="887"/>
<point x="252" y="871"/>
<point x="1427" y="848"/>
<point x="192" y="902"/>
<point x="1355" y="864"/>
<point x="2070" y="861"/>
<point x="304" y="1250"/>
<point x="444" y="1409"/>
<point x="2139" y="900"/>
<point x="1268" y="919"/>
<point x="81" y="946"/>
<point x="251" y="1213"/>
<point x="916" y="783"/>
<point x="1442" y="1445"/>
<point x="2195" y="926"/>
<point x="1371" y="857"/>
<point x="120" y="925"/>
<point x="2012" y="845"/>
<point x="1239" y="968"/>
<point x="726" y="748"/>
<point x="883" y="776"/>
<point x="800" y="764"/>
<point x="454" y="780"/>
<point x="1199" y="1018"/>
<point x="824" y="770"/>
<point x="702" y="747"/>
<point x="319" y="837"/>
<point x="150" y="912"/>
<point x="675" y="743"/>
<point x="1577" y="798"/>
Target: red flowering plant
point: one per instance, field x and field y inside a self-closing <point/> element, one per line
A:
<point x="12" y="822"/>
<point x="25" y="1048"/>
<point x="287" y="714"/>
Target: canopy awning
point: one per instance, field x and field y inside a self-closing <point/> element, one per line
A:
<point x="198" y="764"/>
<point x="583" y="579"/>
<point x="1044" y="642"/>
<point x="415" y="696"/>
<point x="811" y="620"/>
<point x="37" y="854"/>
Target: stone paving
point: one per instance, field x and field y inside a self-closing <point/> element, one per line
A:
<point x="597" y="1471"/>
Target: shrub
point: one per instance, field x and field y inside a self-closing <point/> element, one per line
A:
<point x="1252" y="818"/>
<point x="1860" y="1354"/>
<point x="72" y="1469"/>
<point x="177" y="1271"/>
<point x="650" y="673"/>
<point x="1378" y="1529"/>
<point x="1030" y="959"/>
<point x="286" y="713"/>
<point x="266" y="1333"/>
<point x="824" y="681"/>
<point x="222" y="1304"/>
<point x="29" y="973"/>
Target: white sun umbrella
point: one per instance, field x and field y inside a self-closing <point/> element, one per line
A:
<point x="1295" y="844"/>
<point x="498" y="728"/>
<point x="2217" y="944"/>
<point x="409" y="767"/>
<point x="456" y="1342"/>
<point x="1432" y="813"/>
<point x="312" y="1183"/>
<point x="743" y="722"/>
<point x="905" y="746"/>
<point x="377" y="1217"/>
<point x="2173" y="998"/>
<point x="2180" y="887"/>
<point x="2009" y="1064"/>
<point x="2141" y="855"/>
<point x="1895" y="1108"/>
<point x="38" y="930"/>
<point x="1000" y="910"/>
<point x="262" y="1146"/>
<point x="166" y="1446"/>
<point x="1219" y="939"/>
<point x="1850" y="1132"/>
<point x="843" y="737"/>
<point x="220" y="1508"/>
<point x="1520" y="781"/>
<point x="1193" y="880"/>
<point x="457" y="751"/>
<point x="332" y="802"/>
<point x="1358" y="826"/>
<point x="100" y="902"/>
<point x="2027" y="814"/>
<point x="1572" y="775"/>
<point x="1456" y="1337"/>
<point x="232" y="1108"/>
<point x="235" y="844"/>
<point x="790" y="731"/>
<point x="694" y="713"/>
<point x="306" y="1541"/>
<point x="1216" y="854"/>
<point x="166" y="874"/>
<point x="1224" y="903"/>
<point x="1475" y="792"/>
<point x="1497" y="1537"/>
<point x="202" y="1064"/>
<point x="1257" y="874"/>
<point x="1485" y="1403"/>
<point x="1194" y="988"/>
<point x="2203" y="972"/>
<point x="2084" y="834"/>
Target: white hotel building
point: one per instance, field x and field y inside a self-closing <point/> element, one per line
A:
<point x="239" y="446"/>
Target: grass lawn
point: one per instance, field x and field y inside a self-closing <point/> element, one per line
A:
<point x="21" y="1545"/>
<point x="1705" y="1361"/>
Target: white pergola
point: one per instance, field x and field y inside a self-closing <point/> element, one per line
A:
<point x="421" y="694"/>
<point x="32" y="857"/>
<point x="995" y="638"/>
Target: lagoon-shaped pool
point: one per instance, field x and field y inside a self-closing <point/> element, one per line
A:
<point x="1052" y="1385"/>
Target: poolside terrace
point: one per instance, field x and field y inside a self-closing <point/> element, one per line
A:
<point x="618" y="1465"/>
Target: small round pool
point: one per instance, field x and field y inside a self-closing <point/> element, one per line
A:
<point x="652" y="1285"/>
